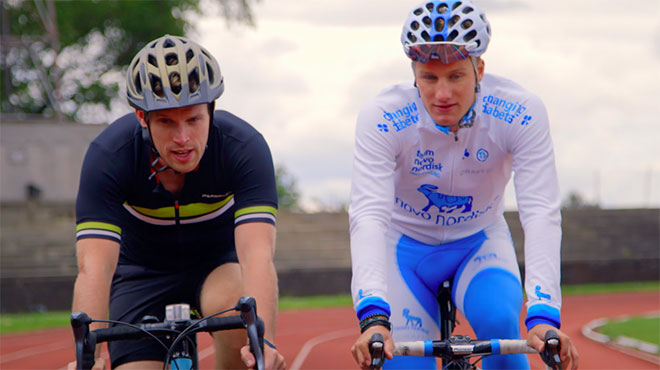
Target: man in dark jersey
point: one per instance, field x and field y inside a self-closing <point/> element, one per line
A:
<point x="177" y="204"/>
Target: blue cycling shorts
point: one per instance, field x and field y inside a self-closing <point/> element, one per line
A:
<point x="486" y="290"/>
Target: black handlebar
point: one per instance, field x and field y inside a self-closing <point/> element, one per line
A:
<point x="86" y="340"/>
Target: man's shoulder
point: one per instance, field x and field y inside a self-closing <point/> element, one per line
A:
<point x="395" y="96"/>
<point x="496" y="85"/>
<point x="232" y="127"/>
<point x="396" y="101"/>
<point x="119" y="133"/>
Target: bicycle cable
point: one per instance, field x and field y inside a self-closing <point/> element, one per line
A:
<point x="183" y="334"/>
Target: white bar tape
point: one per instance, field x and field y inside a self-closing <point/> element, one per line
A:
<point x="409" y="348"/>
<point x="508" y="346"/>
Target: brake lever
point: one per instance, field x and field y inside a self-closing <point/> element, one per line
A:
<point x="377" y="351"/>
<point x="248" y="312"/>
<point x="85" y="341"/>
<point x="550" y="354"/>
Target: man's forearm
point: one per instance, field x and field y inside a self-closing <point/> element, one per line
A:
<point x="91" y="295"/>
<point x="260" y="281"/>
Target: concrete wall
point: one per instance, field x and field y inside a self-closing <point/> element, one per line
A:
<point x="44" y="155"/>
<point x="37" y="255"/>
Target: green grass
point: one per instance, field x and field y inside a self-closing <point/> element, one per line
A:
<point x="642" y="328"/>
<point x="25" y="322"/>
<point x="641" y="286"/>
<point x="321" y="301"/>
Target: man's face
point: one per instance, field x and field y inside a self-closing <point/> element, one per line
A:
<point x="179" y="134"/>
<point x="447" y="90"/>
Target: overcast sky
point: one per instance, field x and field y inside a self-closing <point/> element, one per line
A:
<point x="301" y="76"/>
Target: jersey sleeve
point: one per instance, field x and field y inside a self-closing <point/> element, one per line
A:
<point x="254" y="182"/>
<point x="538" y="197"/>
<point x="99" y="200"/>
<point x="370" y="211"/>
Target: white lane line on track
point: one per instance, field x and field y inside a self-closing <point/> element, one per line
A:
<point x="310" y="344"/>
<point x="206" y="352"/>
<point x="634" y="347"/>
<point x="29" y="352"/>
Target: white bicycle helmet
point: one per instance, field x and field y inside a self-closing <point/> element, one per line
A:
<point x="450" y="22"/>
<point x="172" y="72"/>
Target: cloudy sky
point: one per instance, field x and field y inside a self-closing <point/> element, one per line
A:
<point x="301" y="76"/>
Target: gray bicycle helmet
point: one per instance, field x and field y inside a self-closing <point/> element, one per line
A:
<point x="172" y="72"/>
<point x="454" y="22"/>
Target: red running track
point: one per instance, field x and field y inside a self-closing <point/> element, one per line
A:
<point x="321" y="338"/>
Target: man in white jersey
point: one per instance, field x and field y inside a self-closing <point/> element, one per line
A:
<point x="432" y="159"/>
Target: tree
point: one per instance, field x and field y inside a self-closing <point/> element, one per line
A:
<point x="575" y="201"/>
<point x="65" y="58"/>
<point x="287" y="190"/>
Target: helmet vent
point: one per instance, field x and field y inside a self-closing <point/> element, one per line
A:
<point x="168" y="43"/>
<point x="209" y="70"/>
<point x="429" y="6"/>
<point x="452" y="35"/>
<point x="468" y="10"/>
<point x="137" y="84"/>
<point x="418" y="11"/>
<point x="152" y="60"/>
<point x="456" y="5"/>
<point x="175" y="82"/>
<point x="466" y="24"/>
<point x="193" y="81"/>
<point x="156" y="85"/>
<point x="453" y="20"/>
<point x="171" y="59"/>
<point x="470" y="35"/>
<point x="426" y="37"/>
<point x="438" y="38"/>
<point x="189" y="55"/>
<point x="439" y="24"/>
<point x="442" y="8"/>
<point x="427" y="21"/>
<point x="414" y="25"/>
<point x="412" y="37"/>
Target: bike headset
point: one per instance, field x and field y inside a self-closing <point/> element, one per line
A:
<point x="172" y="72"/>
<point x="448" y="30"/>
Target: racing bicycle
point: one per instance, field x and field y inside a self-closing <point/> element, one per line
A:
<point x="460" y="352"/>
<point x="177" y="328"/>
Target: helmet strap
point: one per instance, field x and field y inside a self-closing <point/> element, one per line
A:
<point x="146" y="136"/>
<point x="477" y="86"/>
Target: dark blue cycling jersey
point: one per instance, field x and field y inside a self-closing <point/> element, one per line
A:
<point x="233" y="184"/>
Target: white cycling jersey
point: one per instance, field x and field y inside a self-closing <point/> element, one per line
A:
<point x="438" y="187"/>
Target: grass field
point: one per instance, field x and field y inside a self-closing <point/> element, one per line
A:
<point x="642" y="328"/>
<point x="24" y="322"/>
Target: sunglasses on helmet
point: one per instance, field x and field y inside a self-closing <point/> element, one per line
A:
<point x="446" y="53"/>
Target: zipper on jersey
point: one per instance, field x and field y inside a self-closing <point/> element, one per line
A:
<point x="454" y="155"/>
<point x="177" y="220"/>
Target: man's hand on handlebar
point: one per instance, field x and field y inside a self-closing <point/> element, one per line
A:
<point x="272" y="358"/>
<point x="536" y="338"/>
<point x="360" y="349"/>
